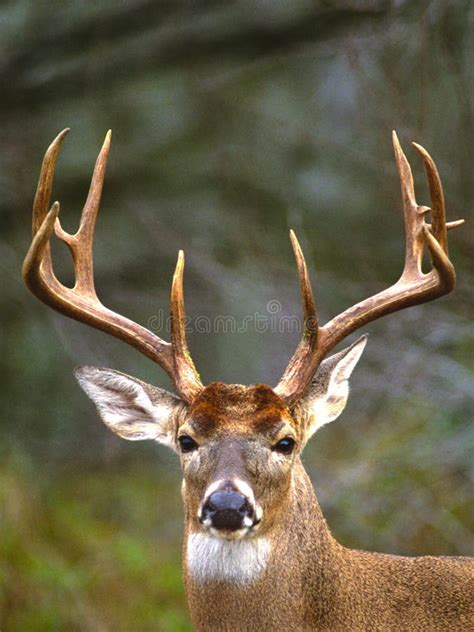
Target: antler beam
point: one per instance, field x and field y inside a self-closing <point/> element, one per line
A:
<point x="413" y="287"/>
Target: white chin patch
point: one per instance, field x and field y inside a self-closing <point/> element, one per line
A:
<point x="211" y="558"/>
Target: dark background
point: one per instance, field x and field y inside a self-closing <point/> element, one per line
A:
<point x="233" y="121"/>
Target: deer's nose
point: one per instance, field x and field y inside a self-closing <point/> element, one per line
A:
<point x="227" y="510"/>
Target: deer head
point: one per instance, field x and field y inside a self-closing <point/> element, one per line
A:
<point x="238" y="445"/>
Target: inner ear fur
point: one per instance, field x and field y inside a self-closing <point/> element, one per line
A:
<point x="131" y="408"/>
<point x="328" y="391"/>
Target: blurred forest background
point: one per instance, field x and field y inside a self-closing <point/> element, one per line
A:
<point x="233" y="121"/>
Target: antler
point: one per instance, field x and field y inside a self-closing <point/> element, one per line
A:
<point x="413" y="287"/>
<point x="81" y="301"/>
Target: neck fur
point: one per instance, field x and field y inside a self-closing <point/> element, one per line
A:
<point x="242" y="562"/>
<point x="234" y="561"/>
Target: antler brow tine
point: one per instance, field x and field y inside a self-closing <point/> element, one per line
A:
<point x="184" y="365"/>
<point x="308" y="345"/>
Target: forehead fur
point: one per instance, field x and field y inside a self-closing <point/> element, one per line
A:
<point x="256" y="407"/>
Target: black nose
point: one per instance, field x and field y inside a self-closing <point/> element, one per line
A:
<point x="226" y="510"/>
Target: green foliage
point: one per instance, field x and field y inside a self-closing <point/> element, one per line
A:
<point x="89" y="550"/>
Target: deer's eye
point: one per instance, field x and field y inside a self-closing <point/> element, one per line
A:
<point x="186" y="443"/>
<point x="285" y="445"/>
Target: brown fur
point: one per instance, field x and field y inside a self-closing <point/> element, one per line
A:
<point x="311" y="581"/>
<point x="222" y="406"/>
<point x="314" y="583"/>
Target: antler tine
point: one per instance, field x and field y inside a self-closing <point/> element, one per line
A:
<point x="300" y="362"/>
<point x="438" y="208"/>
<point x="81" y="302"/>
<point x="187" y="375"/>
<point x="413" y="213"/>
<point x="81" y="243"/>
<point x="45" y="181"/>
<point x="37" y="270"/>
<point x="413" y="287"/>
<point x="41" y="205"/>
<point x="309" y="307"/>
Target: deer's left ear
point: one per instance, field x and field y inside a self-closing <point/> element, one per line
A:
<point x="328" y="392"/>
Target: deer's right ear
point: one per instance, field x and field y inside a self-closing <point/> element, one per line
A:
<point x="130" y="408"/>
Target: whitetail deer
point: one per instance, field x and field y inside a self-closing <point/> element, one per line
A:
<point x="258" y="554"/>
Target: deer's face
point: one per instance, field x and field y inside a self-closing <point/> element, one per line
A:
<point x="237" y="444"/>
<point x="237" y="448"/>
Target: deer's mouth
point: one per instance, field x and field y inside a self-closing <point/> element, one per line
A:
<point x="234" y="534"/>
